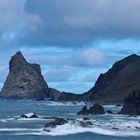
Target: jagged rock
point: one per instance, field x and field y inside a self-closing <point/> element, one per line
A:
<point x="23" y="116"/>
<point x="85" y="119"/>
<point x="109" y="112"/>
<point x="131" y="104"/>
<point x="96" y="109"/>
<point x="84" y="111"/>
<point x="24" y="80"/>
<point x="54" y="124"/>
<point x="114" y="85"/>
<point x="60" y="121"/>
<point x="81" y="123"/>
<point x="28" y="116"/>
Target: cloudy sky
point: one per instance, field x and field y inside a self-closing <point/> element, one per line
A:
<point x="73" y="41"/>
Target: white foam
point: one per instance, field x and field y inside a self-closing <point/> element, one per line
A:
<point x="3" y="120"/>
<point x="69" y="128"/>
<point x="52" y="103"/>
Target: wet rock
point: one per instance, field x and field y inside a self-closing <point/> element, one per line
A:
<point x="54" y="124"/>
<point x="85" y="119"/>
<point x="23" y="116"/>
<point x="114" y="128"/>
<point x="82" y="123"/>
<point x="28" y="116"/>
<point x="109" y="112"/>
<point x="118" y="105"/>
<point x="131" y="104"/>
<point x="137" y="127"/>
<point x="96" y="109"/>
<point x="84" y="111"/>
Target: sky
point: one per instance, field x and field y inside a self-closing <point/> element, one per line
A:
<point x="73" y="41"/>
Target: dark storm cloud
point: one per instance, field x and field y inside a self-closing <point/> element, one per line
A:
<point x="78" y="22"/>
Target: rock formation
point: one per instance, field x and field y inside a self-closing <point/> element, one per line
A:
<point x="96" y="109"/>
<point x="113" y="86"/>
<point x="131" y="104"/>
<point x="24" y="80"/>
<point x="60" y="121"/>
<point x="84" y="111"/>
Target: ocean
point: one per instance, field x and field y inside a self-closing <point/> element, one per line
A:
<point x="105" y="127"/>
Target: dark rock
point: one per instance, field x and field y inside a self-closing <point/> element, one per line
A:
<point x="24" y="80"/>
<point x="28" y="116"/>
<point x="56" y="122"/>
<point x="109" y="112"/>
<point x="114" y="128"/>
<point x="81" y="123"/>
<point x="34" y="116"/>
<point x="131" y="104"/>
<point x="64" y="96"/>
<point x="114" y="85"/>
<point x="137" y="127"/>
<point x="85" y="119"/>
<point x="23" y="116"/>
<point x="84" y="111"/>
<point x="96" y="109"/>
<point x="89" y="123"/>
<point x="118" y="105"/>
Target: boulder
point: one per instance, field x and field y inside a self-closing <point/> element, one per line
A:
<point x="28" y="116"/>
<point x="96" y="109"/>
<point x="84" y="111"/>
<point x="54" y="124"/>
<point x="82" y="124"/>
<point x="109" y="112"/>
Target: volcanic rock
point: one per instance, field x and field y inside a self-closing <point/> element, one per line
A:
<point x="96" y="109"/>
<point x="131" y="104"/>
<point x="29" y="116"/>
<point x="54" y="124"/>
<point x="24" y="80"/>
<point x="84" y="111"/>
<point x="109" y="112"/>
<point x="114" y="85"/>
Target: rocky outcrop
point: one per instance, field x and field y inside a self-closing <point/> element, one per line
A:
<point x="54" y="124"/>
<point x="131" y="104"/>
<point x="114" y="85"/>
<point x="96" y="109"/>
<point x="28" y="116"/>
<point x="60" y="121"/>
<point x="24" y="80"/>
<point x="84" y="111"/>
<point x="109" y="112"/>
<point x="65" y="96"/>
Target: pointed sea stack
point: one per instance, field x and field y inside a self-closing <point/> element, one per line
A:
<point x="24" y="80"/>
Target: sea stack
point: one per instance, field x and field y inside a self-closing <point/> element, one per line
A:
<point x="131" y="104"/>
<point x="24" y="80"/>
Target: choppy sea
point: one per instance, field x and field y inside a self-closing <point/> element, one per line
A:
<point x="106" y="127"/>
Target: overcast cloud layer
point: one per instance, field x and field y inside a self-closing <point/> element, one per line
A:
<point x="77" y="39"/>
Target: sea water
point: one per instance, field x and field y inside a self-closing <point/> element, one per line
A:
<point x="105" y="127"/>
